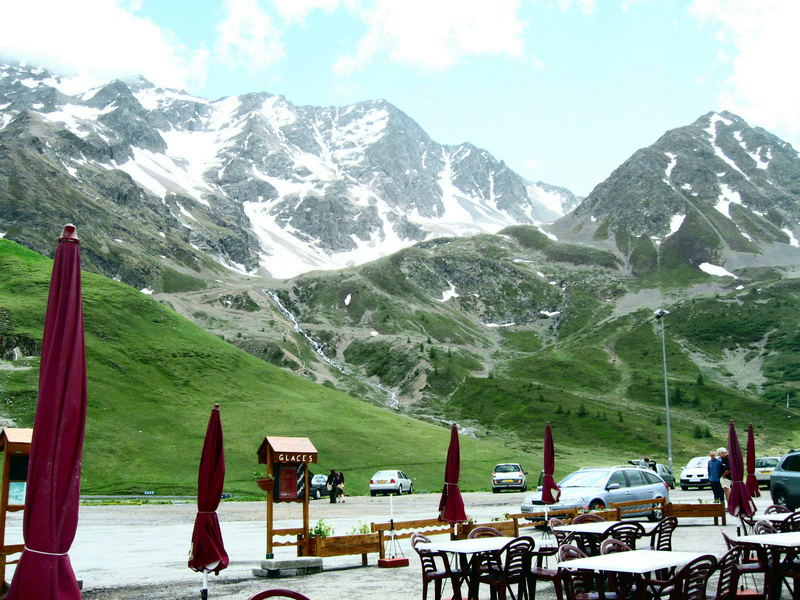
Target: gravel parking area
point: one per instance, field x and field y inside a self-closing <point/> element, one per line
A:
<point x="126" y="552"/>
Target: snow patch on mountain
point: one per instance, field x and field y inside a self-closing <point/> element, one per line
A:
<point x="727" y="196"/>
<point x="675" y="223"/>
<point x="449" y="293"/>
<point x="716" y="270"/>
<point x="792" y="239"/>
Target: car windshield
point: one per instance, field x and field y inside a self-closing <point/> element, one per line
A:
<point x="584" y="479"/>
<point x="697" y="462"/>
<point x="507" y="469"/>
<point x="384" y="474"/>
<point x="766" y="462"/>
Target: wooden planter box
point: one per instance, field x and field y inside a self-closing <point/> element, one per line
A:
<point x="342" y="545"/>
<point x="266" y="484"/>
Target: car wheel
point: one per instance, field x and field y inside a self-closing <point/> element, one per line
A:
<point x="655" y="515"/>
<point x="524" y="488"/>
<point x="684" y="488"/>
<point x="373" y="494"/>
<point x="597" y="505"/>
<point x="779" y="497"/>
<point x="495" y="490"/>
<point x="399" y="491"/>
<point x="411" y="489"/>
<point x="672" y="485"/>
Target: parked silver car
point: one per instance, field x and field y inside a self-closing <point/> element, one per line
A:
<point x="598" y="487"/>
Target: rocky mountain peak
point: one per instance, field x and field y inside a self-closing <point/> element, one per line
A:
<point x="255" y="183"/>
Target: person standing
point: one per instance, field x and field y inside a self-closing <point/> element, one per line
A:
<point x="330" y="483"/>
<point x="714" y="474"/>
<point x="339" y="486"/>
<point x="725" y="476"/>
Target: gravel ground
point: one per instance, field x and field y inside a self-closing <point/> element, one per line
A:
<point x="132" y="552"/>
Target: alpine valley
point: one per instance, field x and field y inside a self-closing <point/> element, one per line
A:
<point x="427" y="282"/>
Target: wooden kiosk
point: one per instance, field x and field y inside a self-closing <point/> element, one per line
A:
<point x="15" y="444"/>
<point x="287" y="460"/>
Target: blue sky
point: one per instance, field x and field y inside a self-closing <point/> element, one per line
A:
<point x="562" y="90"/>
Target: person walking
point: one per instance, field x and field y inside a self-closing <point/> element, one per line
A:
<point x="330" y="484"/>
<point x="714" y="474"/>
<point x="725" y="476"/>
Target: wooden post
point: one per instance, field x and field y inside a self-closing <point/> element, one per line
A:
<point x="269" y="554"/>
<point x="305" y="507"/>
<point x="3" y="510"/>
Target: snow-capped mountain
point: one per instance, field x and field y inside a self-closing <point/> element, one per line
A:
<point x="715" y="192"/>
<point x="254" y="183"/>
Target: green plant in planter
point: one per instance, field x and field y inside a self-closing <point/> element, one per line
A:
<point x="259" y="475"/>
<point x="321" y="530"/>
<point x="360" y="529"/>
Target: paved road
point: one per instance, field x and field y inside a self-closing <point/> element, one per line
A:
<point x="125" y="552"/>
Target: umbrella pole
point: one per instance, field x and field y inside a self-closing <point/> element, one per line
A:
<point x="204" y="589"/>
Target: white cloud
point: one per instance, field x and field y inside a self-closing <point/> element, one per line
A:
<point x="435" y="35"/>
<point x="587" y="7"/>
<point x="297" y="10"/>
<point x="760" y="41"/>
<point x="104" y="38"/>
<point x="248" y="37"/>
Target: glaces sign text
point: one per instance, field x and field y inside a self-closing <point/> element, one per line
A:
<point x="286" y="457"/>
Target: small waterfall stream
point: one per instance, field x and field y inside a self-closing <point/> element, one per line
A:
<point x="391" y="396"/>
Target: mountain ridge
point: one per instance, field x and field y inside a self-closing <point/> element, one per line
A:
<point x="261" y="186"/>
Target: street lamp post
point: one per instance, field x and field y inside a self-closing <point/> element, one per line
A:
<point x="659" y="315"/>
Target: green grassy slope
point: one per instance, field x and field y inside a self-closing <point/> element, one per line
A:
<point x="153" y="377"/>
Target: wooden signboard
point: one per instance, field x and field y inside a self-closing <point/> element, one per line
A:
<point x="15" y="444"/>
<point x="287" y="460"/>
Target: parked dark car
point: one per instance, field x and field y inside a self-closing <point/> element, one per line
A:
<point x="662" y="470"/>
<point x="785" y="481"/>
<point x="318" y="487"/>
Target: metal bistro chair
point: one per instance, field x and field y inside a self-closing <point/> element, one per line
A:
<point x="689" y="583"/>
<point x="745" y="525"/>
<point x="626" y="533"/>
<point x="790" y="523"/>
<point x="729" y="574"/>
<point x="622" y="584"/>
<point x="578" y="584"/>
<point x="751" y="558"/>
<point x="516" y="561"/>
<point x="278" y="593"/>
<point x="433" y="572"/>
<point x="661" y="534"/>
<point x="587" y="518"/>
<point x="482" y="561"/>
<point x="776" y="508"/>
<point x="764" y="527"/>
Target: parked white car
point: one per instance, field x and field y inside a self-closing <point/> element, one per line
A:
<point x="509" y="476"/>
<point x="695" y="473"/>
<point x="764" y="468"/>
<point x="390" y="482"/>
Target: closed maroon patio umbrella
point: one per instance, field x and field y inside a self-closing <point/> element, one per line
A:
<point x="550" y="491"/>
<point x="451" y="504"/>
<point x="739" y="500"/>
<point x="752" y="482"/>
<point x="54" y="470"/>
<point x="208" y="551"/>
